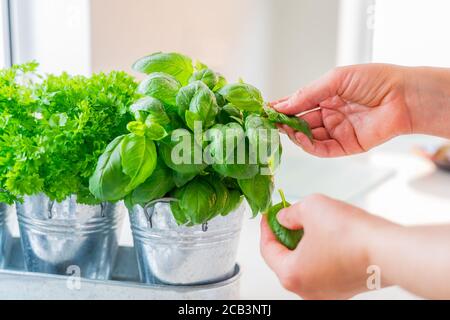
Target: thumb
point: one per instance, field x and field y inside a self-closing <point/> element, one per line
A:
<point x="310" y="96"/>
<point x="291" y="217"/>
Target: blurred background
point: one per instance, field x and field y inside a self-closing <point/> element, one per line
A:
<point x="279" y="46"/>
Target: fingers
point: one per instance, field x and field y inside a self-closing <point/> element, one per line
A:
<point x="309" y="97"/>
<point x="320" y="134"/>
<point x="313" y="118"/>
<point x="278" y="101"/>
<point x="291" y="217"/>
<point x="320" y="148"/>
<point x="272" y="251"/>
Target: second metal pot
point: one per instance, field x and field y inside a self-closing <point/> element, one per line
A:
<point x="5" y="234"/>
<point x="179" y="255"/>
<point x="69" y="238"/>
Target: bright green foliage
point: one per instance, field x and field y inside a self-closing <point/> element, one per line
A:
<point x="58" y="128"/>
<point x="108" y="138"/>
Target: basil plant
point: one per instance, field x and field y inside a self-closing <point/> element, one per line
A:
<point x="196" y="138"/>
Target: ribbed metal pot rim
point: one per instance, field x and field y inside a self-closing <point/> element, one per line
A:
<point x="70" y="226"/>
<point x="199" y="238"/>
<point x="186" y="237"/>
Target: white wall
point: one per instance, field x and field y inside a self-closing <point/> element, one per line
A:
<point x="412" y="32"/>
<point x="53" y="32"/>
<point x="276" y="45"/>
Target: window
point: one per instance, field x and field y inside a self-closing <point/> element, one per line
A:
<point x="5" y="45"/>
<point x="412" y="32"/>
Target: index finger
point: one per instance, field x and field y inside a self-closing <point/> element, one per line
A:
<point x="310" y="96"/>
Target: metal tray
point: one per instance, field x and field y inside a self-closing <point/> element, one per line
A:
<point x="16" y="283"/>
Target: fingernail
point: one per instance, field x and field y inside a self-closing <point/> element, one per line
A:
<point x="281" y="105"/>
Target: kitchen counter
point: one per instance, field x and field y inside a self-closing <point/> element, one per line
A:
<point x="390" y="181"/>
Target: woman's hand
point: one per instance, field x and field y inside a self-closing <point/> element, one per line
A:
<point x="362" y="106"/>
<point x="341" y="241"/>
<point x="331" y="260"/>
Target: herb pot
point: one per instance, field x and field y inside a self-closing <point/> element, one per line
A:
<point x="5" y="234"/>
<point x="69" y="238"/>
<point x="180" y="255"/>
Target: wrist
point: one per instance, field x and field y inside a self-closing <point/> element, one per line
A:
<point x="379" y="238"/>
<point x="427" y="97"/>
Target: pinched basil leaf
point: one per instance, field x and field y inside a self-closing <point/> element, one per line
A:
<point x="126" y="163"/>
<point x="161" y="86"/>
<point x="196" y="102"/>
<point x="175" y="64"/>
<point x="258" y="191"/>
<point x="289" y="238"/>
<point x="244" y="96"/>
<point x="294" y="122"/>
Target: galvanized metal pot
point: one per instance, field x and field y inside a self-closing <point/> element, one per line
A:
<point x="69" y="238"/>
<point x="5" y="234"/>
<point x="180" y="255"/>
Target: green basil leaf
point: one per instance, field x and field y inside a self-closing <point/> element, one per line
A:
<point x="244" y="96"/>
<point x="136" y="127"/>
<point x="263" y="137"/>
<point x="289" y="238"/>
<point x="160" y="86"/>
<point x="150" y="109"/>
<point x="229" y="151"/>
<point x="155" y="187"/>
<point x="178" y="214"/>
<point x="181" y="179"/>
<point x="207" y="76"/>
<point x="138" y="159"/>
<point x="221" y="102"/>
<point x="182" y="153"/>
<point x="221" y="82"/>
<point x="234" y="199"/>
<point x="201" y="103"/>
<point x="175" y="64"/>
<point x="154" y="131"/>
<point x="197" y="201"/>
<point x="258" y="192"/>
<point x="230" y="113"/>
<point x="108" y="181"/>
<point x="126" y="163"/>
<point x="222" y="195"/>
<point x="294" y="122"/>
